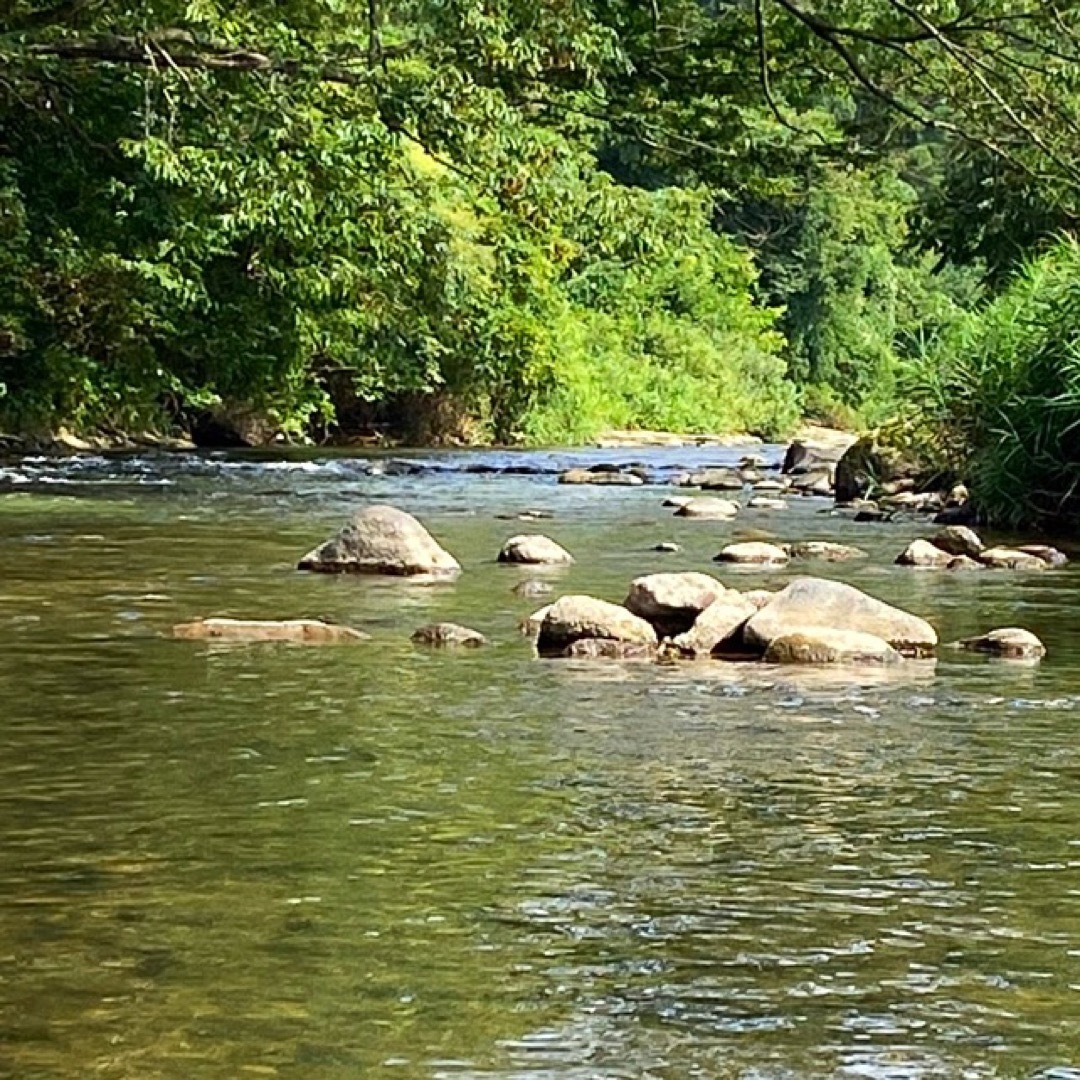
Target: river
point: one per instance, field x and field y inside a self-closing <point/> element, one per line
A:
<point x="349" y="862"/>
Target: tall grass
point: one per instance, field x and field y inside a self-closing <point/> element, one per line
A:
<point x="1001" y="392"/>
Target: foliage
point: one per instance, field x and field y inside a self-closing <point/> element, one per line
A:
<point x="1001" y="393"/>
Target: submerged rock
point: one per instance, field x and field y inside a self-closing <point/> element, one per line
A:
<point x="814" y="603"/>
<point x="448" y="635"/>
<point x="752" y="553"/>
<point x="381" y="540"/>
<point x="667" y="546"/>
<point x="607" y="649"/>
<point x="535" y="549"/>
<point x="573" y="617"/>
<point x="297" y="631"/>
<point x="823" y="549"/>
<point x="964" y="562"/>
<point x="604" y="478"/>
<point x="822" y="645"/>
<point x="533" y="588"/>
<point x="671" y="602"/>
<point x="1010" y="642"/>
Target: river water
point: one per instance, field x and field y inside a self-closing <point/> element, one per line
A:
<point x="368" y="861"/>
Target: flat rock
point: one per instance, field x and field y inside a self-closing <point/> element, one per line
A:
<point x="1049" y="555"/>
<point x="671" y="602"/>
<point x="763" y="502"/>
<point x="823" y="549"/>
<point x="768" y="486"/>
<point x="587" y="476"/>
<point x="573" y="617"/>
<point x="812" y="603"/>
<point x="534" y="548"/>
<point x="1010" y="642"/>
<point x="716" y="627"/>
<point x="822" y="645"/>
<point x="752" y="553"/>
<point x="443" y="635"/>
<point x="382" y="540"/>
<point x="1003" y="558"/>
<point x="922" y="553"/>
<point x="959" y="540"/>
<point x="298" y="631"/>
<point x="708" y="508"/>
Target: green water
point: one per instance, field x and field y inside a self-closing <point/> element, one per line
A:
<point x="378" y="861"/>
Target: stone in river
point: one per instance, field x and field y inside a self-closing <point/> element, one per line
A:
<point x="922" y="553"/>
<point x="716" y="627"/>
<point x="959" y="540"/>
<point x="533" y="588"/>
<point x="574" y="617"/>
<point x="535" y="549"/>
<point x="607" y="649"/>
<point x="823" y="549"/>
<point x="671" y="602"/>
<point x="1010" y="642"/>
<point x="708" y="508"/>
<point x="811" y="603"/>
<point x="382" y="540"/>
<point x="752" y="553"/>
<point x="824" y="645"/>
<point x="448" y="635"/>
<point x="1002" y="558"/>
<point x="296" y="631"/>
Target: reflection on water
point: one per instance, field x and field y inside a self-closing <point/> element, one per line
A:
<point x="341" y="863"/>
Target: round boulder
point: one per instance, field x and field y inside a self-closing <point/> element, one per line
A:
<point x="922" y="553"/>
<point x="708" y="508"/>
<point x="959" y="540"/>
<point x="671" y="602"/>
<point x="571" y="618"/>
<point x="535" y="549"/>
<point x="381" y="540"/>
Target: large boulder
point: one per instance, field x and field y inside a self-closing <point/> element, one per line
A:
<point x="296" y="631"/>
<point x="671" y="602"/>
<point x="822" y="645"/>
<point x="571" y="618"/>
<point x="708" y="508"/>
<point x="534" y="548"/>
<point x="717" y="628"/>
<point x="814" y="603"/>
<point x="752" y="553"/>
<point x="381" y="540"/>
<point x="1010" y="642"/>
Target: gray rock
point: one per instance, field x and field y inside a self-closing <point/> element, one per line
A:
<point x="535" y="549"/>
<point x="922" y="553"/>
<point x="1010" y="642"/>
<point x="573" y="617"/>
<point x="671" y="602"/>
<point x="959" y="540"/>
<point x="444" y="635"/>
<point x="752" y="553"/>
<point x="717" y="627"/>
<point x="381" y="540"/>
<point x="709" y="509"/>
<point x="297" y="631"/>
<point x="822" y="645"/>
<point x="814" y="603"/>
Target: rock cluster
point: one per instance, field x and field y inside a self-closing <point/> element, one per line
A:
<point x="956" y="547"/>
